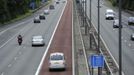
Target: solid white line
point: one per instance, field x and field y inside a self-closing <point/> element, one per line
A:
<point x="82" y="41"/>
<point x="2" y="73"/>
<point x="12" y="37"/>
<point x="43" y="58"/>
<point x="12" y="27"/>
<point x="73" y="65"/>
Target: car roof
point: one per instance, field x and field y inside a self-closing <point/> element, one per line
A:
<point x="116" y="20"/>
<point x="38" y="36"/>
<point x="56" y="53"/>
<point x="131" y="17"/>
<point x="109" y="10"/>
<point x="36" y="17"/>
<point x="42" y="14"/>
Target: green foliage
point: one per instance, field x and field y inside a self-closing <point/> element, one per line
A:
<point x="10" y="9"/>
<point x="126" y="4"/>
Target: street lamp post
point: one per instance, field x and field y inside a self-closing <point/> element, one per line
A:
<point x="85" y="14"/>
<point x="120" y="42"/>
<point x="90" y="10"/>
<point x="99" y="68"/>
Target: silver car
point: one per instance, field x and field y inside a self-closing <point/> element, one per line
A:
<point x="38" y="41"/>
<point x="131" y="21"/>
<point x="46" y="11"/>
<point x="36" y="20"/>
<point x="57" y="61"/>
<point x="132" y="37"/>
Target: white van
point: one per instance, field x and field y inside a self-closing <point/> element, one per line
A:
<point x="109" y="14"/>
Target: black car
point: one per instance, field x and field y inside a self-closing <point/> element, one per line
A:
<point x="132" y="37"/>
<point x="37" y="20"/>
<point x="57" y="2"/>
<point x="42" y="17"/>
<point x="51" y="7"/>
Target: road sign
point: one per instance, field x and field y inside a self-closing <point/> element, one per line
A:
<point x="97" y="61"/>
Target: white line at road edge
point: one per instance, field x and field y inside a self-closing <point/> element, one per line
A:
<point x="73" y="65"/>
<point x="84" y="50"/>
<point x="43" y="58"/>
<point x="13" y="27"/>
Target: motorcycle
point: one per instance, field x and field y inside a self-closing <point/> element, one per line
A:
<point x="19" y="41"/>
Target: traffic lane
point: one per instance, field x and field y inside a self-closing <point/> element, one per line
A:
<point x="62" y="42"/>
<point x="8" y="29"/>
<point x="113" y="46"/>
<point x="35" y="30"/>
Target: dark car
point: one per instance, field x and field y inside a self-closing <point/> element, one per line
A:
<point x="131" y="21"/>
<point x="42" y="17"/>
<point x="57" y="2"/>
<point x="51" y="7"/>
<point x="36" y="20"/>
<point x="132" y="37"/>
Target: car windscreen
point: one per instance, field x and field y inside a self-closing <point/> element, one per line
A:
<point x="56" y="57"/>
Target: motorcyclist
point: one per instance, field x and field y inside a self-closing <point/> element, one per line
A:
<point x="20" y="39"/>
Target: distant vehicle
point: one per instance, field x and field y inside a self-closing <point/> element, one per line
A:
<point x="57" y="61"/>
<point x="109" y="14"/>
<point x="116" y="23"/>
<point x="131" y="21"/>
<point x="132" y="37"/>
<point x="77" y="1"/>
<point x="38" y="41"/>
<point x="37" y="20"/>
<point x="51" y="7"/>
<point x="63" y="1"/>
<point x="42" y="17"/>
<point x="46" y="11"/>
<point x="57" y="2"/>
<point x="83" y="1"/>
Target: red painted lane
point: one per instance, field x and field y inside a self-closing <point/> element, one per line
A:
<point x="62" y="42"/>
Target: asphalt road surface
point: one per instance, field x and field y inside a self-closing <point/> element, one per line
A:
<point x="62" y="42"/>
<point x="25" y="59"/>
<point x="110" y="35"/>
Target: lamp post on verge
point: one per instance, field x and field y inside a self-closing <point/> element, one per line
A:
<point x="86" y="26"/>
<point x="99" y="68"/>
<point x="90" y="10"/>
<point x="120" y="42"/>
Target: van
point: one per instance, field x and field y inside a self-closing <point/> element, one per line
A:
<point x="109" y="14"/>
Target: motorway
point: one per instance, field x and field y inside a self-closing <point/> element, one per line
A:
<point x="110" y="35"/>
<point x="24" y="60"/>
<point x="62" y="42"/>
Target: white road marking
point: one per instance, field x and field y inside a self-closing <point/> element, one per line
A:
<point x="9" y="65"/>
<point x="73" y="59"/>
<point x="41" y="63"/>
<point x="20" y="53"/>
<point x="2" y="73"/>
<point x="15" y="58"/>
<point x="125" y="40"/>
<point x="12" y="37"/>
<point x="13" y="27"/>
<point x="129" y="45"/>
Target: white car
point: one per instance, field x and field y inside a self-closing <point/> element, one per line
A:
<point x="38" y="41"/>
<point x="109" y="14"/>
<point x="36" y="20"/>
<point x="46" y="11"/>
<point x="57" y="61"/>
